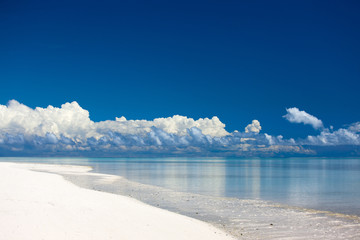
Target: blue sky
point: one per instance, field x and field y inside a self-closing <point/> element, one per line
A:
<point x="236" y="60"/>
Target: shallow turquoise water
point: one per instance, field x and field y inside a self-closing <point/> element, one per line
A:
<point x="320" y="183"/>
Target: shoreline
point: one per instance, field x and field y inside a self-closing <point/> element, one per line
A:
<point x="244" y="219"/>
<point x="293" y="184"/>
<point x="257" y="219"/>
<point x="39" y="205"/>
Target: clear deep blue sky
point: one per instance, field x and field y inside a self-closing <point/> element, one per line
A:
<point x="238" y="60"/>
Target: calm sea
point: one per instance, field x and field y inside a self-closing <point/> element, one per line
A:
<point x="331" y="184"/>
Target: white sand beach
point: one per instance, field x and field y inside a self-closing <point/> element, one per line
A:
<point x="46" y="201"/>
<point x="38" y="205"/>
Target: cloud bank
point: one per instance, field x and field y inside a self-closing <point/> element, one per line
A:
<point x="294" y="115"/>
<point x="69" y="131"/>
<point x="342" y="136"/>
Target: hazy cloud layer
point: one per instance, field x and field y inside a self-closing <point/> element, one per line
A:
<point x="69" y="131"/>
<point x="342" y="136"/>
<point x="294" y="115"/>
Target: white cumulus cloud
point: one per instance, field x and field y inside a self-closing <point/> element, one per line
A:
<point x="72" y="121"/>
<point x="294" y="115"/>
<point x="254" y="127"/>
<point x="176" y="125"/>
